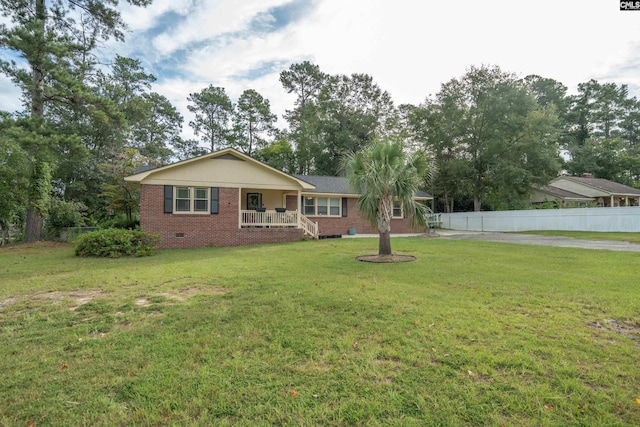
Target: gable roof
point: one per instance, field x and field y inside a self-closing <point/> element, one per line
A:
<point x="197" y="164"/>
<point x="328" y="184"/>
<point x="561" y="193"/>
<point x="338" y="185"/>
<point x="611" y="187"/>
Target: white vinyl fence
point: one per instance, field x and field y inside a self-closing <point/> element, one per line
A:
<point x="624" y="219"/>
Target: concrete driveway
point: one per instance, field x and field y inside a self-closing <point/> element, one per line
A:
<point x="532" y="239"/>
<point x="523" y="239"/>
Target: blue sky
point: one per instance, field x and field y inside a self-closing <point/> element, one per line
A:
<point x="409" y="47"/>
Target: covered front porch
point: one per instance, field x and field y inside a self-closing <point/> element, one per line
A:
<point x="267" y="208"/>
<point x="616" y="200"/>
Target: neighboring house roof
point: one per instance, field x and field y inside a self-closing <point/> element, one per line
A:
<point x="594" y="187"/>
<point x="338" y="185"/>
<point x="229" y="168"/>
<point x="560" y="193"/>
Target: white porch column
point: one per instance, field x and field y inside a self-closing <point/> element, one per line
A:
<point x="299" y="209"/>
<point x="239" y="207"/>
<point x="612" y="201"/>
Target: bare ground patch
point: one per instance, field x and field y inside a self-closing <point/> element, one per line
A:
<point x="182" y="294"/>
<point x="386" y="258"/>
<point x="631" y="330"/>
<point x="75" y="298"/>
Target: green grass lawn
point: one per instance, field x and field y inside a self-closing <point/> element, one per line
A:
<point x="472" y="333"/>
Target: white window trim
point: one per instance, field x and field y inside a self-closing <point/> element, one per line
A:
<point x="315" y="206"/>
<point x="393" y="209"/>
<point x="192" y="199"/>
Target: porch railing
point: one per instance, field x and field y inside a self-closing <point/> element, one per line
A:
<point x="269" y="219"/>
<point x="274" y="219"/>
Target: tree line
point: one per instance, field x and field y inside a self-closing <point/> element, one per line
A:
<point x="489" y="134"/>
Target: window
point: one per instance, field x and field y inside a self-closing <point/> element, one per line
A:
<point x="334" y="207"/>
<point x="192" y="199"/>
<point x="397" y="209"/>
<point x="183" y="199"/>
<point x="200" y="200"/>
<point x="309" y="206"/>
<point x="322" y="206"/>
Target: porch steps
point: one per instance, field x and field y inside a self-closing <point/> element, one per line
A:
<point x="309" y="227"/>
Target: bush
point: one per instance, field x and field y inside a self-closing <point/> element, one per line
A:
<point x="114" y="243"/>
<point x="64" y="214"/>
<point x="120" y="222"/>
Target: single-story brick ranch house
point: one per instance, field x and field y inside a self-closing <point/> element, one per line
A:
<point x="227" y="198"/>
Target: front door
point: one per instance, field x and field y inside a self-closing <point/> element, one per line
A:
<point x="254" y="201"/>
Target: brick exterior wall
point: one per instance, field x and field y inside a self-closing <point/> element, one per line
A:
<point x="205" y="230"/>
<point x="329" y="226"/>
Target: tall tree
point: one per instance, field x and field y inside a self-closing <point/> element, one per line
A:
<point x="352" y="111"/>
<point x="187" y="148"/>
<point x="305" y="81"/>
<point x="136" y="118"/>
<point x="605" y="130"/>
<point x="54" y="39"/>
<point x="501" y="141"/>
<point x="122" y="196"/>
<point x="158" y="129"/>
<point x="14" y="164"/>
<point x="381" y="173"/>
<point x="279" y="155"/>
<point x="252" y="122"/>
<point x="212" y="109"/>
<point x="430" y="130"/>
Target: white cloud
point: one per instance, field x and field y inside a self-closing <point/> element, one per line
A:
<point x="143" y="18"/>
<point x="9" y="96"/>
<point x="210" y="19"/>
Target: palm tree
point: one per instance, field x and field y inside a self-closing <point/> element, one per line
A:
<point x="382" y="173"/>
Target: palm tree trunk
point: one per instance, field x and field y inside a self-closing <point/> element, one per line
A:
<point x="385" y="211"/>
<point x="384" y="244"/>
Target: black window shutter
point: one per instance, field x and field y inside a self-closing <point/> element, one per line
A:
<point x="344" y="206"/>
<point x="215" y="200"/>
<point x="168" y="199"/>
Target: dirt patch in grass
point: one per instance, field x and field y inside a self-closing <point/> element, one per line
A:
<point x="623" y="328"/>
<point x="76" y="298"/>
<point x="9" y="301"/>
<point x="182" y="294"/>
<point x="386" y="258"/>
<point x="142" y="302"/>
